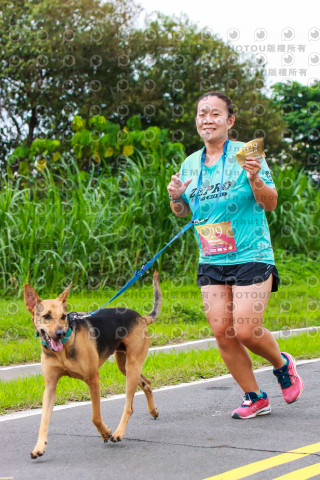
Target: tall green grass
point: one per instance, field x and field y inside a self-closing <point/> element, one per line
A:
<point x="97" y="230"/>
<point x="295" y="223"/>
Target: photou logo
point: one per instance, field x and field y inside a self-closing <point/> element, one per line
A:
<point x="314" y="59"/>
<point x="287" y="34"/>
<point x="260" y="59"/>
<point x="233" y="34"/>
<point x="287" y="59"/>
<point x="314" y="34"/>
<point x="260" y="34"/>
<point x="313" y="82"/>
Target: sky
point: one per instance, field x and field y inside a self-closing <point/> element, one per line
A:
<point x="284" y="35"/>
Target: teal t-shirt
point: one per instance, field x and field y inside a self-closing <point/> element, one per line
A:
<point x="237" y="231"/>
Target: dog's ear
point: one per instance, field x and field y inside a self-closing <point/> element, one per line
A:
<point x="31" y="298"/>
<point x="64" y="295"/>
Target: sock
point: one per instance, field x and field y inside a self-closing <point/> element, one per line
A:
<point x="254" y="395"/>
<point x="284" y="367"/>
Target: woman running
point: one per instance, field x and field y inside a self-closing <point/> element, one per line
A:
<point x="236" y="270"/>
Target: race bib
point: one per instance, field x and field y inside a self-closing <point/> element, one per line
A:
<point x="216" y="238"/>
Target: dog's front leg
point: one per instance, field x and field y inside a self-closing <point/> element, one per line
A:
<point x="49" y="397"/>
<point x="94" y="386"/>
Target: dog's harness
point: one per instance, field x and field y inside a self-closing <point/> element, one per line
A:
<point x="194" y="221"/>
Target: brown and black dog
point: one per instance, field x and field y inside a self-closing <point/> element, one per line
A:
<point x="77" y="344"/>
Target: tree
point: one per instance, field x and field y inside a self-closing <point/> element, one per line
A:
<point x="300" y="107"/>
<point x="59" y="58"/>
<point x="87" y="58"/>
<point x="181" y="63"/>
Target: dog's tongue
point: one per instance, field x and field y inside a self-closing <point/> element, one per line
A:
<point x="56" y="345"/>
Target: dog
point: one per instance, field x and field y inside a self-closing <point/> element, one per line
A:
<point x="77" y="344"/>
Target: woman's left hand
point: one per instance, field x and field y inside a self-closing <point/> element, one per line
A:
<point x="252" y="167"/>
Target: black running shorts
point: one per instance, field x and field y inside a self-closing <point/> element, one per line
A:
<point x="241" y="274"/>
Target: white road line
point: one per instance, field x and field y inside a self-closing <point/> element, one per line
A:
<point x="210" y="341"/>
<point x="172" y="346"/>
<point x="23" y="365"/>
<point x="186" y="344"/>
<point x="37" y="411"/>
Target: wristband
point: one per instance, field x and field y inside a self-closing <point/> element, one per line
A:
<point x="176" y="200"/>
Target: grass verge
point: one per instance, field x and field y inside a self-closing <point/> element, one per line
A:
<point x="182" y="318"/>
<point x="162" y="369"/>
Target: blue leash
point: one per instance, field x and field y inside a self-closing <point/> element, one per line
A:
<point x="193" y="221"/>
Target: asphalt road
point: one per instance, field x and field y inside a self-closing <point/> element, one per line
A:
<point x="194" y="438"/>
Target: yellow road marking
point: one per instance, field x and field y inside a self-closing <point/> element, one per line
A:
<point x="302" y="474"/>
<point x="262" y="465"/>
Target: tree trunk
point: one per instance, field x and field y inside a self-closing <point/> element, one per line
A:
<point x="32" y="125"/>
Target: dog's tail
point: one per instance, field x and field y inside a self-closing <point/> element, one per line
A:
<point x="157" y="299"/>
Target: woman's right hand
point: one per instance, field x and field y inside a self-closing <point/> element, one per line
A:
<point x="176" y="188"/>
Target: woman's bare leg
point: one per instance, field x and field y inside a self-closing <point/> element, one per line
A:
<point x="249" y="304"/>
<point x="218" y="306"/>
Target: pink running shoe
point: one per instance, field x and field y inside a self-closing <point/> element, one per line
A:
<point x="290" y="382"/>
<point x="252" y="406"/>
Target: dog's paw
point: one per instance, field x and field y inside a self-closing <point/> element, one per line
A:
<point x="154" y="413"/>
<point x="106" y="435"/>
<point x="36" y="454"/>
<point x="39" y="450"/>
<point x="115" y="438"/>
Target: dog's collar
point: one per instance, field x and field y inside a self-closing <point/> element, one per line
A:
<point x="69" y="331"/>
<point x="71" y="317"/>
